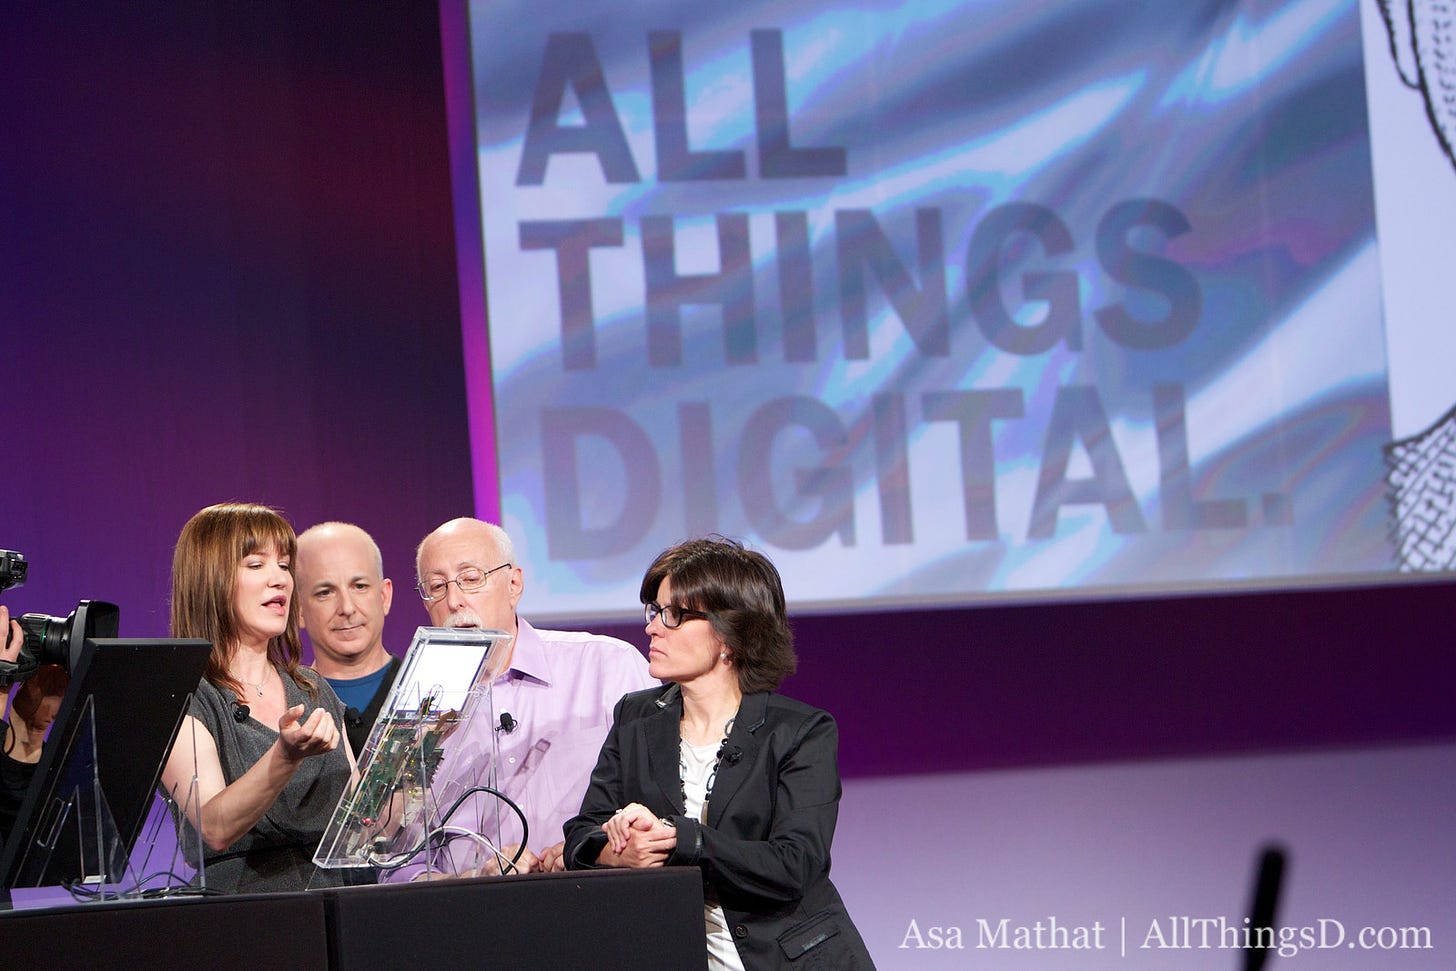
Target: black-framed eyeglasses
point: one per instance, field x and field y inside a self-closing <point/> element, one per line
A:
<point x="468" y="581"/>
<point x="671" y="615"/>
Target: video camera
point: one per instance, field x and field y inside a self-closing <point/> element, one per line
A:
<point x="51" y="640"/>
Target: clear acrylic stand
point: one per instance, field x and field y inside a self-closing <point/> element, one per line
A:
<point x="186" y="810"/>
<point x="419" y="760"/>
<point x="78" y="805"/>
<point x="161" y="855"/>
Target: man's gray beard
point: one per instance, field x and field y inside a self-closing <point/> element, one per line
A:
<point x="465" y="618"/>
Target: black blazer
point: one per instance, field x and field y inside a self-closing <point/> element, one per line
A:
<point x="765" y="847"/>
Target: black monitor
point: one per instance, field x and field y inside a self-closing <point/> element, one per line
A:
<point x="134" y="692"/>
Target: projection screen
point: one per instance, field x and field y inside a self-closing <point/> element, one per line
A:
<point x="935" y="303"/>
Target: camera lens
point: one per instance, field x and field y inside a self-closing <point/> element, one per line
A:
<point x="45" y="638"/>
<point x="56" y="640"/>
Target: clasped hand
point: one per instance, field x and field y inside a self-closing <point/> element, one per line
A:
<point x="315" y="736"/>
<point x="637" y="838"/>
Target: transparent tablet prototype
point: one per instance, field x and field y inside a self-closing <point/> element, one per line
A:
<point x="396" y="810"/>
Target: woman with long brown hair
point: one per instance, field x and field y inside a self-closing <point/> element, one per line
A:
<point x="260" y="762"/>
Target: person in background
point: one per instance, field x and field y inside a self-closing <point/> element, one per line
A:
<point x="344" y="596"/>
<point x="262" y="740"/>
<point x="552" y="692"/>
<point x="23" y="726"/>
<point x="719" y="771"/>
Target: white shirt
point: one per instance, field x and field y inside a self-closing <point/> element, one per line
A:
<point x="696" y="763"/>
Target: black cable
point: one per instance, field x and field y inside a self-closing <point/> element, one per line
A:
<point x="139" y="890"/>
<point x="438" y="832"/>
<point x="388" y="809"/>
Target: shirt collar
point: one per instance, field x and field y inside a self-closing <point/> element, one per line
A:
<point x="529" y="657"/>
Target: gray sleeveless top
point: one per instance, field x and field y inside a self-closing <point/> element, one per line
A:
<point x="277" y="853"/>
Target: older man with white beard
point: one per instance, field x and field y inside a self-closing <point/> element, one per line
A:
<point x="553" y="691"/>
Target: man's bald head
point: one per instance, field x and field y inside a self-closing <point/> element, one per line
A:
<point x="466" y="546"/>
<point x="343" y="598"/>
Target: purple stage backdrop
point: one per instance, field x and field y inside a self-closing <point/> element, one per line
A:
<point x="229" y="274"/>
<point x="228" y="270"/>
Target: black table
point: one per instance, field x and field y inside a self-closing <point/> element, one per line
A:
<point x="598" y="919"/>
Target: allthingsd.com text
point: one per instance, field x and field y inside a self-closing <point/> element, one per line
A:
<point x="1208" y="933"/>
<point x="1170" y="933"/>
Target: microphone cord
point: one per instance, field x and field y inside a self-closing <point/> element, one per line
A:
<point x="440" y="830"/>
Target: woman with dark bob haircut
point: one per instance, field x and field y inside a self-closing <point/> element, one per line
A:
<point x="719" y="771"/>
<point x="261" y="740"/>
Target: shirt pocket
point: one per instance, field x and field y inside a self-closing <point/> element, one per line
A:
<point x="559" y="775"/>
<point x="808" y="934"/>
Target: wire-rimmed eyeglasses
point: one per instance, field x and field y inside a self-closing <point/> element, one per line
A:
<point x="468" y="581"/>
<point x="671" y="615"/>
